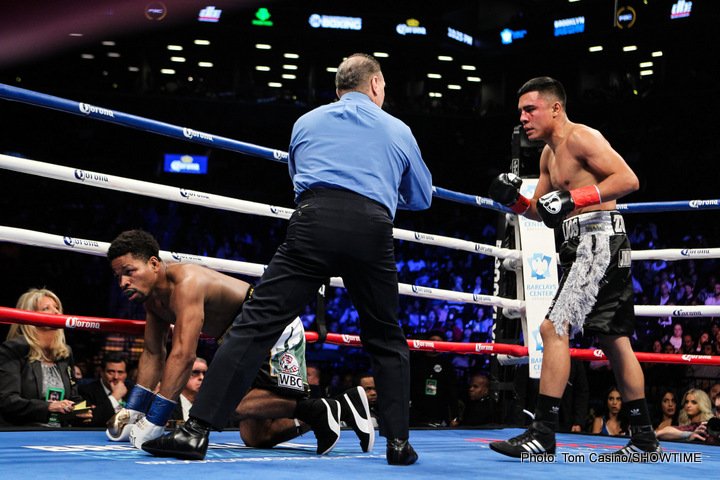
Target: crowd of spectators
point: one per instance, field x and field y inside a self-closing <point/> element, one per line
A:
<point x="656" y="282"/>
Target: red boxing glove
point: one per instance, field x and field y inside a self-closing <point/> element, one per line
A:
<point x="586" y="196"/>
<point x="553" y="207"/>
<point x="521" y="205"/>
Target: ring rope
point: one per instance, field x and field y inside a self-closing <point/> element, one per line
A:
<point x="513" y="306"/>
<point x="22" y="95"/>
<point x="94" y="247"/>
<point x="9" y="92"/>
<point x="136" y="327"/>
<point x="152" y="126"/>
<point x="164" y="192"/>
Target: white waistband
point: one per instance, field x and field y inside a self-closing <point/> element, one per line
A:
<point x="608" y="222"/>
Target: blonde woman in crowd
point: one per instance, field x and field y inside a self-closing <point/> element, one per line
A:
<point x="37" y="387"/>
<point x="696" y="411"/>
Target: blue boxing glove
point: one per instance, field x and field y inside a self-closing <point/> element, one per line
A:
<point x="505" y="189"/>
<point x="553" y="207"/>
<point x="153" y="425"/>
<point x="120" y="424"/>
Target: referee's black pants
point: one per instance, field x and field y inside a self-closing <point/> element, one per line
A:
<point x="331" y="233"/>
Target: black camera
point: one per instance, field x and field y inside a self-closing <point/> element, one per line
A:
<point x="713" y="427"/>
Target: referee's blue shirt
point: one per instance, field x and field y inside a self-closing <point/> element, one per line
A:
<point x="354" y="145"/>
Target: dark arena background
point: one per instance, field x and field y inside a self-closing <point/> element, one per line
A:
<point x="642" y="72"/>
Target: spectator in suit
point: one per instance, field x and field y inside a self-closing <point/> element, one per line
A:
<point x="190" y="390"/>
<point x="433" y="391"/>
<point x="108" y="393"/>
<point x="36" y="382"/>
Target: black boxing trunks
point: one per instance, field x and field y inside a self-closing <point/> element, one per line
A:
<point x="595" y="292"/>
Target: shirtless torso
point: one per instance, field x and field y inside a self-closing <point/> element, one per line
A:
<point x="185" y="284"/>
<point x="191" y="297"/>
<point x="574" y="156"/>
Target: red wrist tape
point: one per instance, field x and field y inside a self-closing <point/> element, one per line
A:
<point x="521" y="205"/>
<point x="586" y="196"/>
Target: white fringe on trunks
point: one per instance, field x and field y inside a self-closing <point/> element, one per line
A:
<point x="580" y="290"/>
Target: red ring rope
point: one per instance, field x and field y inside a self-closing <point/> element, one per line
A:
<point x="136" y="327"/>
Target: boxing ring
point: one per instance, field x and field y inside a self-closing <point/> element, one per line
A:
<point x="454" y="452"/>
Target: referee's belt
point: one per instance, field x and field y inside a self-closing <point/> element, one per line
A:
<point x="608" y="222"/>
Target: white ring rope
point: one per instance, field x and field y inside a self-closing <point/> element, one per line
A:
<point x="94" y="247"/>
<point x="164" y="192"/>
<point x="671" y="254"/>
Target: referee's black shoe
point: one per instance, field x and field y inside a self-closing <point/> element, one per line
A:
<point x="536" y="440"/>
<point x="188" y="442"/>
<point x="400" y="452"/>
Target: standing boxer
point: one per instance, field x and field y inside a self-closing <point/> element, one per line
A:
<point x="581" y="176"/>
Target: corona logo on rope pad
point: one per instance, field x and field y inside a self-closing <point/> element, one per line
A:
<point x="704" y="203"/>
<point x="423" y="344"/>
<point x="88" y="109"/>
<point x="482" y="201"/>
<point x="685" y="313"/>
<point x="183" y="257"/>
<point x="694" y="251"/>
<point x="74" y="322"/>
<point x="424" y="236"/>
<point x="79" y="242"/>
<point x="419" y="290"/>
<point x="192" y="134"/>
<point x="690" y="358"/>
<point x="484" y="299"/>
<point x="83" y="176"/>
<point x="191" y="194"/>
<point x="280" y="155"/>
<point x="280" y="210"/>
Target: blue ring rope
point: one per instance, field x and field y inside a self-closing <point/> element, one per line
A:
<point x="8" y="92"/>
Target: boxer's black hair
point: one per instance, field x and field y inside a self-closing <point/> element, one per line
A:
<point x="545" y="85"/>
<point x="138" y="243"/>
